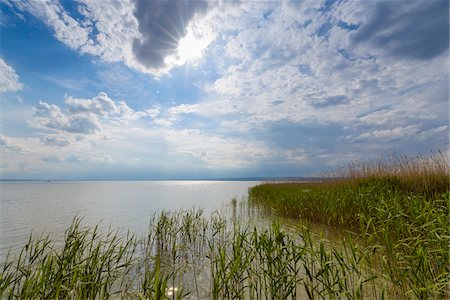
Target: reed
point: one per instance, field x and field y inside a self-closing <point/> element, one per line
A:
<point x="399" y="206"/>
<point x="183" y="254"/>
<point x="399" y="248"/>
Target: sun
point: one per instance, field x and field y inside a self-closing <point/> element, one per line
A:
<point x="192" y="45"/>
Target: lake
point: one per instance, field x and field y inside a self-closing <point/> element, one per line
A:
<point x="49" y="207"/>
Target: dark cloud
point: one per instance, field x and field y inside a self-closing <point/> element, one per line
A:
<point x="277" y="102"/>
<point x="162" y="24"/>
<point x="412" y="29"/>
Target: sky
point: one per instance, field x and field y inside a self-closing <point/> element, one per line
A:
<point x="141" y="90"/>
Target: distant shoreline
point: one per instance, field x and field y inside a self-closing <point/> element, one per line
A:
<point x="265" y="179"/>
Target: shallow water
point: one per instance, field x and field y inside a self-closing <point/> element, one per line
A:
<point x="49" y="207"/>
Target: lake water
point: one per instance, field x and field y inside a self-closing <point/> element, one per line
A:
<point x="49" y="207"/>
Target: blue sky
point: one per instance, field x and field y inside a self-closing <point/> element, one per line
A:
<point x="206" y="89"/>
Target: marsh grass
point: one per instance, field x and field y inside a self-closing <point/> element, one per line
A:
<point x="400" y="207"/>
<point x="186" y="255"/>
<point x="400" y="248"/>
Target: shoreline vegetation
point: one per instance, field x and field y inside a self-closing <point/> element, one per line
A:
<point x="395" y="211"/>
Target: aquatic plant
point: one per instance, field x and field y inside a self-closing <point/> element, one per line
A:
<point x="396" y="246"/>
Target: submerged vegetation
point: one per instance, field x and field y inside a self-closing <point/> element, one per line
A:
<point x="398" y="248"/>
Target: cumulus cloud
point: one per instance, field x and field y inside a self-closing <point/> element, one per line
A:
<point x="145" y="35"/>
<point x="50" y="116"/>
<point x="161" y="25"/>
<point x="9" y="80"/>
<point x="281" y="69"/>
<point x="99" y="105"/>
<point x="284" y="82"/>
<point x="84" y="116"/>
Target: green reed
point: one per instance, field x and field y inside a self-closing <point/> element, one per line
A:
<point x="399" y="248"/>
<point x="187" y="254"/>
<point x="400" y="208"/>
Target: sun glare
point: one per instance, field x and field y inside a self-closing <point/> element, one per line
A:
<point x="190" y="47"/>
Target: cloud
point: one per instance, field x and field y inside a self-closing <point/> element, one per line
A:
<point x="67" y="29"/>
<point x="145" y="35"/>
<point x="100" y="105"/>
<point x="86" y="116"/>
<point x="128" y="113"/>
<point x="216" y="151"/>
<point x="152" y="112"/>
<point x="51" y="159"/>
<point x="2" y="141"/>
<point x="184" y="109"/>
<point x="76" y="158"/>
<point x="162" y="122"/>
<point x="7" y="144"/>
<point x="161" y="25"/>
<point x="101" y="28"/>
<point x="294" y="84"/>
<point x="410" y="29"/>
<point x="54" y="141"/>
<point x="330" y="101"/>
<point x="51" y="117"/>
<point x="9" y="80"/>
<point x="389" y="134"/>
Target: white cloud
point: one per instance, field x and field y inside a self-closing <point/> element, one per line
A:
<point x="216" y="151"/>
<point x="106" y="29"/>
<point x="286" y="64"/>
<point x="436" y="133"/>
<point x="152" y="112"/>
<point x="323" y="79"/>
<point x="51" y="117"/>
<point x="9" y="80"/>
<point x="162" y="122"/>
<point x="110" y="30"/>
<point x="100" y="105"/>
<point x="67" y="29"/>
<point x="224" y="152"/>
<point x="389" y="134"/>
<point x="184" y="109"/>
<point x="86" y="116"/>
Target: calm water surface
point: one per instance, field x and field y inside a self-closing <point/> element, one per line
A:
<point x="50" y="206"/>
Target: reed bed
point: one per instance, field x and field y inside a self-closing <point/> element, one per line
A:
<point x="399" y="248"/>
<point x="398" y="206"/>
<point x="186" y="255"/>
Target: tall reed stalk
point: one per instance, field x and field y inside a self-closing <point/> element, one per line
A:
<point x="399" y="249"/>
